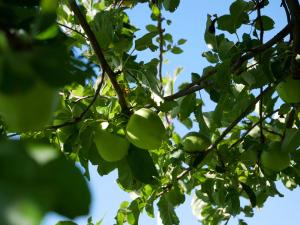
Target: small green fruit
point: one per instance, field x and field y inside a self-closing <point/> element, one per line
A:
<point x="249" y="156"/>
<point x="288" y="90"/>
<point x="111" y="147"/>
<point x="28" y="111"/>
<point x="145" y="129"/>
<point x="273" y="158"/>
<point x="193" y="142"/>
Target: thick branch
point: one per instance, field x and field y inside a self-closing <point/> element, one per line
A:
<point x="193" y="87"/>
<point x="98" y="51"/>
<point x="294" y="9"/>
<point x="252" y="52"/>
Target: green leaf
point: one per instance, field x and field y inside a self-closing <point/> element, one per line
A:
<point x="233" y="201"/>
<point x="175" y="196"/>
<point x="167" y="212"/>
<point x="211" y="57"/>
<point x="75" y="193"/>
<point x="126" y="178"/>
<point x="146" y="41"/>
<point x="267" y="22"/>
<point x="66" y="223"/>
<point x="141" y="165"/>
<point x="181" y="41"/>
<point x="171" y="5"/>
<point x="291" y="140"/>
<point x="176" y="50"/>
<point x="186" y="105"/>
<point x="250" y="194"/>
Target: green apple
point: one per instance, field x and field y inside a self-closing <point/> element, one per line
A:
<point x="111" y="147"/>
<point x="145" y="129"/>
<point x="288" y="90"/>
<point x="30" y="110"/>
<point x="273" y="158"/>
<point x="193" y="142"/>
<point x="249" y="156"/>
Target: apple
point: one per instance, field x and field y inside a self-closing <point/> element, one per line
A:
<point x="111" y="147"/>
<point x="194" y="142"/>
<point x="30" y="110"/>
<point x="274" y="158"/>
<point x="249" y="156"/>
<point x="145" y="129"/>
<point x="288" y="90"/>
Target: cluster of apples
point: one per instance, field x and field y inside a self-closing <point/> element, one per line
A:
<point x="144" y="130"/>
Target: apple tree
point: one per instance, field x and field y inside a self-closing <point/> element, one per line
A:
<point x="74" y="93"/>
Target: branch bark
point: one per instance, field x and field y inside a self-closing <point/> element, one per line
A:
<point x="193" y="87"/>
<point x="98" y="51"/>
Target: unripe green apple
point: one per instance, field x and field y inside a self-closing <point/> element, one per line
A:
<point x="30" y="110"/>
<point x="193" y="142"/>
<point x="145" y="129"/>
<point x="273" y="158"/>
<point x="111" y="147"/>
<point x="249" y="156"/>
<point x="288" y="90"/>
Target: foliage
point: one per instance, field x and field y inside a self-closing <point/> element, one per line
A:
<point x="85" y="51"/>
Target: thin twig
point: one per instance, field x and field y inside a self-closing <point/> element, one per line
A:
<point x="251" y="128"/>
<point x="72" y="29"/>
<point x="81" y="116"/>
<point x="161" y="50"/>
<point x="98" y="51"/>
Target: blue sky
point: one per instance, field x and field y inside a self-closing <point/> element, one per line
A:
<point x="188" y="22"/>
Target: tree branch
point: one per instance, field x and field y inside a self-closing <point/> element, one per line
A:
<point x="80" y="117"/>
<point x="98" y="51"/>
<point x="294" y="9"/>
<point x="202" y="156"/>
<point x="72" y="29"/>
<point x="254" y="51"/>
<point x="193" y="87"/>
<point x="161" y="50"/>
<point x="251" y="128"/>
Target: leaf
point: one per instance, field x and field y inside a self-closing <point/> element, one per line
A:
<point x="167" y="212"/>
<point x="267" y="22"/>
<point x="72" y="194"/>
<point x="181" y="41"/>
<point x="66" y="223"/>
<point x="211" y="57"/>
<point x="242" y="222"/>
<point x="146" y="41"/>
<point x="186" y="105"/>
<point x="250" y="194"/>
<point x="233" y="201"/>
<point x="175" y="196"/>
<point x="141" y="165"/>
<point x="238" y="16"/>
<point x="37" y="178"/>
<point x="171" y="5"/>
<point x="291" y="140"/>
<point x="176" y="50"/>
<point x="126" y="178"/>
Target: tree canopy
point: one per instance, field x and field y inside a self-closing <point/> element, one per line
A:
<point x="73" y="93"/>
